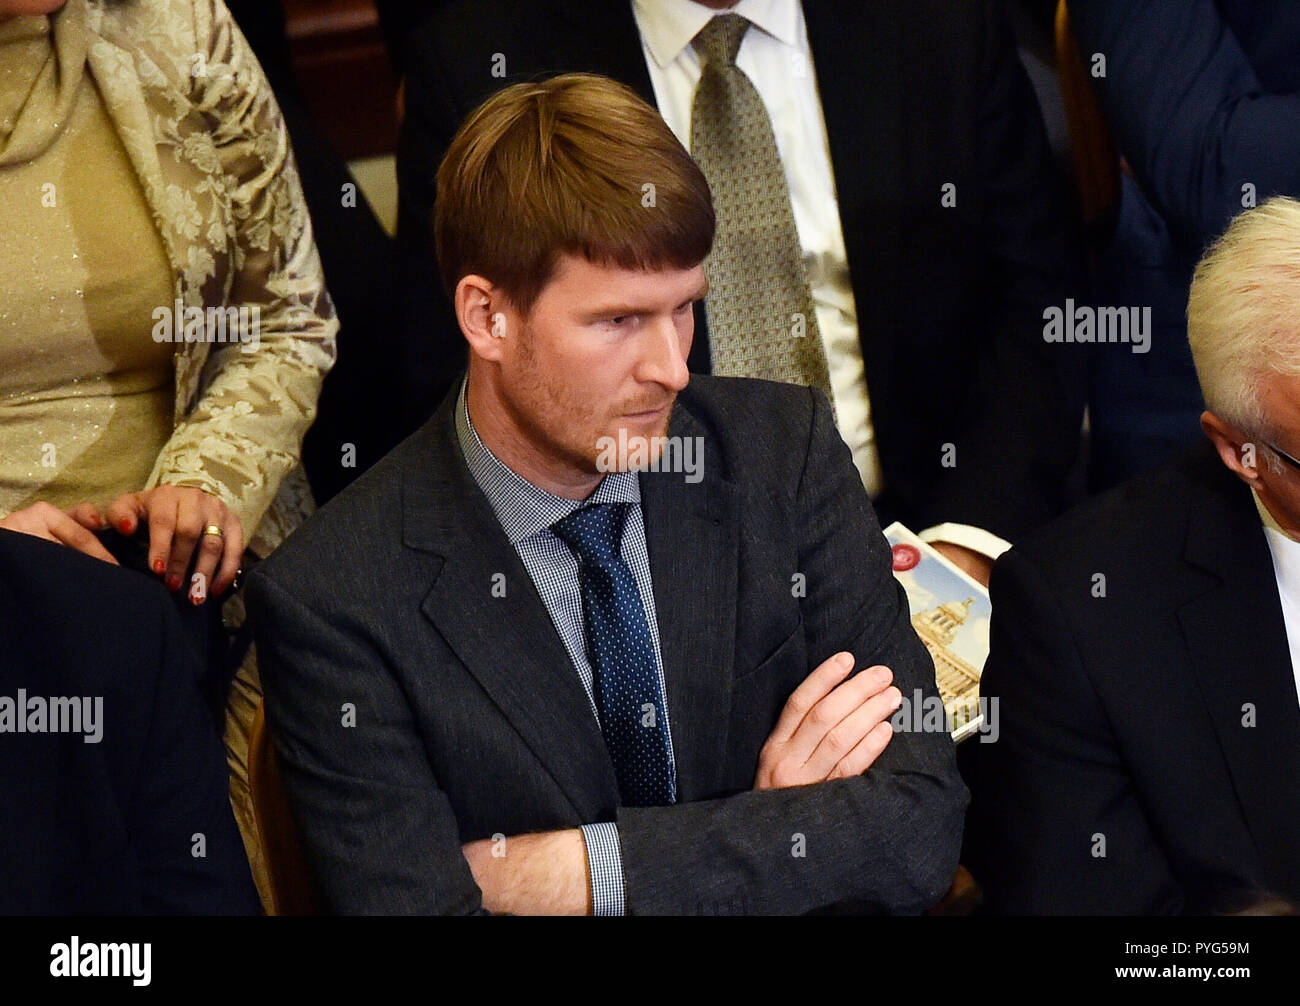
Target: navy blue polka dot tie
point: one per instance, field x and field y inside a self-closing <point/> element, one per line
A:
<point x="628" y="697"/>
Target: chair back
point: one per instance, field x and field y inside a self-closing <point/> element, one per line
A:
<point x="292" y="889"/>
<point x="1096" y="157"/>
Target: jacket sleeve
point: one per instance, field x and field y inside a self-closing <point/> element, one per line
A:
<point x="1051" y="793"/>
<point x="887" y="840"/>
<point x="243" y="434"/>
<point x="1188" y="110"/>
<point x="379" y="833"/>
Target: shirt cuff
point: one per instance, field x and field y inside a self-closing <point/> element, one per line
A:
<point x="605" y="866"/>
<point x="967" y="536"/>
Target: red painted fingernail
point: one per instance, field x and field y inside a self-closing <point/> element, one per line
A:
<point x="124" y="525"/>
<point x="159" y="566"/>
<point x="173" y="581"/>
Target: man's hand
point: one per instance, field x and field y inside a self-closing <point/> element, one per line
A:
<point x="974" y="564"/>
<point x="830" y="730"/>
<point x="74" y="528"/>
<point x="541" y="874"/>
<point x="178" y="517"/>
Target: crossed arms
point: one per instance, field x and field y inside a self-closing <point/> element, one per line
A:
<point x="829" y="729"/>
<point x="382" y="834"/>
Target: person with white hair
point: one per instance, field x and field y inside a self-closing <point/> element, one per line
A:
<point x="1145" y="648"/>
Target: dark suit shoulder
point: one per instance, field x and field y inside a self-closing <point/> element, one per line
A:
<point x="752" y="429"/>
<point x="354" y="530"/>
<point x="482" y="45"/>
<point x="1141" y="524"/>
<point x="955" y="30"/>
<point x="468" y="22"/>
<point x="755" y="426"/>
<point x="42" y="572"/>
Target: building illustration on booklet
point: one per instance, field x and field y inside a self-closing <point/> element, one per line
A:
<point x="950" y="613"/>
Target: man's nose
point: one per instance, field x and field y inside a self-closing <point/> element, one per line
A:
<point x="664" y="358"/>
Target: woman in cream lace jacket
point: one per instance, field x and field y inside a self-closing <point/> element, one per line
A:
<point x="145" y="170"/>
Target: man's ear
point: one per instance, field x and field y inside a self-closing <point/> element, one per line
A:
<point x="482" y="312"/>
<point x="1238" y="452"/>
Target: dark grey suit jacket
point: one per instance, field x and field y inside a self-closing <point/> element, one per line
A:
<point x="470" y="719"/>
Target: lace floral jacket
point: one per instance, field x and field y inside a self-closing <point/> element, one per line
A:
<point x="210" y="148"/>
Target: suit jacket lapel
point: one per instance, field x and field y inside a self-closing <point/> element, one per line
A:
<point x="863" y="97"/>
<point x="692" y="534"/>
<point x="1238" y="643"/>
<point x="507" y="643"/>
<point x="604" y="39"/>
<point x="511" y="648"/>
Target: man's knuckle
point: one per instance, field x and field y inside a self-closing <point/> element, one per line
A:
<point x="838" y="741"/>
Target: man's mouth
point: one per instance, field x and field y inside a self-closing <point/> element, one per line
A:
<point x="655" y="412"/>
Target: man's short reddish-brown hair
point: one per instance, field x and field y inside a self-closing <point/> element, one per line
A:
<point x="577" y="164"/>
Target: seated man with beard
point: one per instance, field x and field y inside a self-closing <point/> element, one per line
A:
<point x="504" y="674"/>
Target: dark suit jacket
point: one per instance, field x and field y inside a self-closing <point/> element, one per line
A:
<point x="916" y="94"/>
<point x="470" y="719"/>
<point x="1204" y="96"/>
<point x="1125" y="715"/>
<point x="107" y="828"/>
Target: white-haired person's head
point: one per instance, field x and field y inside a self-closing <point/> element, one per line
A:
<point x="1243" y="322"/>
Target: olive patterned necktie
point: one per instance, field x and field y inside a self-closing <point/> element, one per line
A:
<point x="760" y="307"/>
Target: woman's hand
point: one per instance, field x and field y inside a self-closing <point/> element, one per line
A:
<point x="73" y="528"/>
<point x="180" y="520"/>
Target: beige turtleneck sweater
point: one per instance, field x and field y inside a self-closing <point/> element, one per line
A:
<point x="85" y="392"/>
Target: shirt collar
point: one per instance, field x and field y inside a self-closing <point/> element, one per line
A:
<point x="1270" y="522"/>
<point x="667" y="26"/>
<point x="1285" y="551"/>
<point x="523" y="508"/>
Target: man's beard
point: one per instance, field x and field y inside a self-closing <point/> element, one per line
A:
<point x="552" y="400"/>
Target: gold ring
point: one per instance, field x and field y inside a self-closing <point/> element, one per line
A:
<point x="213" y="529"/>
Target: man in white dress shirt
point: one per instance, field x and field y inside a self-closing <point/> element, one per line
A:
<point x="1146" y="647"/>
<point x="929" y="230"/>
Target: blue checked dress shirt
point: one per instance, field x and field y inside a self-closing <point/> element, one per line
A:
<point x="527" y="513"/>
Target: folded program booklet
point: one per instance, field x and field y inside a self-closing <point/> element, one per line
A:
<point x="950" y="612"/>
